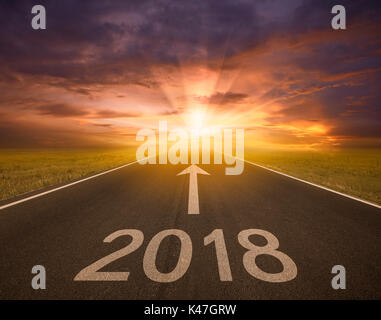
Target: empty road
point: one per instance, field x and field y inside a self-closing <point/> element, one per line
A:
<point x="64" y="232"/>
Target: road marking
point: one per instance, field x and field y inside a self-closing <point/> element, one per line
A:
<point x="217" y="236"/>
<point x="289" y="272"/>
<point x="183" y="262"/>
<point x="91" y="273"/>
<point x="64" y="186"/>
<point x="193" y="171"/>
<point x="317" y="185"/>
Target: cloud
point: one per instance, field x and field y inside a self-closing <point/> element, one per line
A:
<point x="97" y="41"/>
<point x="110" y="114"/>
<point x="104" y="125"/>
<point x="25" y="134"/>
<point x="222" y="99"/>
<point x="276" y="62"/>
<point x="357" y="128"/>
<point x="61" y="110"/>
<point x="75" y="111"/>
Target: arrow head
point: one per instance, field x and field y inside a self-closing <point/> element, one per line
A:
<point x="193" y="169"/>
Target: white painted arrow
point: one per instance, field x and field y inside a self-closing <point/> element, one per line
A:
<point x="193" y="170"/>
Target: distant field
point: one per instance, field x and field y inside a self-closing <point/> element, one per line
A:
<point x="355" y="172"/>
<point x="28" y="170"/>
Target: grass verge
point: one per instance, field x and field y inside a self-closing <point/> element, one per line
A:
<point x="28" y="170"/>
<point x="354" y="172"/>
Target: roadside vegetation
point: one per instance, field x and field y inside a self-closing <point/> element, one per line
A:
<point x="23" y="171"/>
<point x="356" y="172"/>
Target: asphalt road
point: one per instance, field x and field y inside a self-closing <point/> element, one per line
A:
<point x="64" y="232"/>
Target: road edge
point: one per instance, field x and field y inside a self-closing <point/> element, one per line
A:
<point x="11" y="204"/>
<point x="315" y="185"/>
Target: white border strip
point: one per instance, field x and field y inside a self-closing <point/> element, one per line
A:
<point x="316" y="185"/>
<point x="64" y="186"/>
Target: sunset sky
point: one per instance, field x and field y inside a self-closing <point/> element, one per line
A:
<point x="105" y="69"/>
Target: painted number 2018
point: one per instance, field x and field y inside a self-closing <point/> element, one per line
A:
<point x="289" y="272"/>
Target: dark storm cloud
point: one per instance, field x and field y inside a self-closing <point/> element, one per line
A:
<point x="92" y="42"/>
<point x="313" y="14"/>
<point x="83" y="37"/>
<point x="341" y="52"/>
<point x="118" y="41"/>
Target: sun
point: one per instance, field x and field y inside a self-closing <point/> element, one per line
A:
<point x="196" y="121"/>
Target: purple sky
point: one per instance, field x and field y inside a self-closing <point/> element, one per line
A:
<point x="104" y="69"/>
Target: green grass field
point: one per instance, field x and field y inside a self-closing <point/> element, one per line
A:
<point x="28" y="170"/>
<point x="355" y="172"/>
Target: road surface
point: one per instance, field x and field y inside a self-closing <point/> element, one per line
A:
<point x="64" y="232"/>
